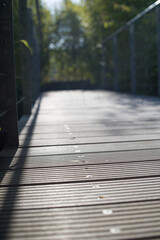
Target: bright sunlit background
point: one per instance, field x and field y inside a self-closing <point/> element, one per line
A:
<point x="54" y="4"/>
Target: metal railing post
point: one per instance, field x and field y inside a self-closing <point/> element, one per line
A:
<point x="104" y="80"/>
<point x="25" y="57"/>
<point x="34" y="57"/>
<point x="115" y="53"/>
<point x="8" y="99"/>
<point x="158" y="46"/>
<point x="132" y="58"/>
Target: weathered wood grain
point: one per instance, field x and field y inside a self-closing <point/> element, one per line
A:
<point x="121" y="221"/>
<point x="85" y="173"/>
<point x="84" y="148"/>
<point x="88" y="167"/>
<point x="80" y="194"/>
<point x="80" y="159"/>
<point x="89" y="140"/>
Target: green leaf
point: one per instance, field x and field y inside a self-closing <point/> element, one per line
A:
<point x="27" y="45"/>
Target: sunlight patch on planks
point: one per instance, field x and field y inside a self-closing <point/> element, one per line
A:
<point x="88" y="167"/>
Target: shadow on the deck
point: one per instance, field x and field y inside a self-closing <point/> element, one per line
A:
<point x="7" y="209"/>
<point x="123" y="104"/>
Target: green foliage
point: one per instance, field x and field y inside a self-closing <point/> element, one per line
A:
<point x="69" y="45"/>
<point x="26" y="44"/>
<point x="78" y="28"/>
<point x="103" y="18"/>
<point x="45" y="29"/>
<point x="70" y="36"/>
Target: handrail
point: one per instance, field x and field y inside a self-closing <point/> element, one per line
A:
<point x="132" y="21"/>
<point x="4" y="112"/>
<point x="19" y="77"/>
<point x="21" y="100"/>
<point x="3" y="75"/>
<point x="114" y="71"/>
<point x="7" y="110"/>
<point x="6" y="75"/>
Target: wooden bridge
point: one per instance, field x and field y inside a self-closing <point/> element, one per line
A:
<point x="87" y="168"/>
<point x="84" y="164"/>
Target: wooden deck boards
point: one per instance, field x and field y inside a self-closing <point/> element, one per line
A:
<point x="88" y="167"/>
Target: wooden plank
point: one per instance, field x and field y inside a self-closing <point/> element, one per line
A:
<point x="89" y="140"/>
<point x="24" y="120"/>
<point x="94" y="133"/>
<point x="59" y="130"/>
<point x="79" y="159"/>
<point x="82" y="128"/>
<point x="111" y="107"/>
<point x="87" y="173"/>
<point x="99" y="179"/>
<point x="101" y="222"/>
<point x="79" y="194"/>
<point x="85" y="148"/>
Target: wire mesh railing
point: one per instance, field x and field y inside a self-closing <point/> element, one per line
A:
<point x="131" y="55"/>
<point x="25" y="86"/>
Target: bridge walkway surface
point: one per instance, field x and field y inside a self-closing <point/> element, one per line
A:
<point x="88" y="167"/>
